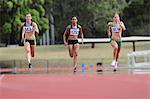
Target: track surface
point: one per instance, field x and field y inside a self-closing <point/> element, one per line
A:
<point x="74" y="86"/>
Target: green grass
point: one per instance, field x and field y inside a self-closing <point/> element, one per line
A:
<point x="58" y="54"/>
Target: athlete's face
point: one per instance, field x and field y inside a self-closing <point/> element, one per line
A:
<point x="74" y="20"/>
<point x="116" y="18"/>
<point x="28" y="18"/>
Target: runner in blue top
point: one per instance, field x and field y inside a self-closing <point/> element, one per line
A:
<point x="115" y="29"/>
<point x="29" y="29"/>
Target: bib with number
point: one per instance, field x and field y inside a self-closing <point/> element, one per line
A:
<point x="28" y="28"/>
<point x="74" y="31"/>
<point x="116" y="28"/>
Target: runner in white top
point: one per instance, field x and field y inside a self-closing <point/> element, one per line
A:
<point x="70" y="38"/>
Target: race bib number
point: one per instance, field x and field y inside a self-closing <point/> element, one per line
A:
<point x="116" y="28"/>
<point x="28" y="28"/>
<point x="74" y="31"/>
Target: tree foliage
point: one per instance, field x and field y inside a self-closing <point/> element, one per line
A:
<point x="93" y="15"/>
<point x="13" y="14"/>
<point x="137" y="17"/>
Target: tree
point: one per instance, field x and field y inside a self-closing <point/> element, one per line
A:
<point x="13" y="14"/>
<point x="101" y="12"/>
<point x="92" y="14"/>
<point x="137" y="17"/>
<point x="49" y="13"/>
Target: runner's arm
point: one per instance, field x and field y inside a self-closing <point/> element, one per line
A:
<point x="81" y="34"/>
<point x="64" y="37"/>
<point x="109" y="29"/>
<point x="123" y="26"/>
<point x="35" y="28"/>
<point x="23" y="33"/>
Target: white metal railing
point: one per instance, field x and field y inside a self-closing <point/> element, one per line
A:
<point x="132" y="58"/>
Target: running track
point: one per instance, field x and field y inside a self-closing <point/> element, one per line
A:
<point x="78" y="86"/>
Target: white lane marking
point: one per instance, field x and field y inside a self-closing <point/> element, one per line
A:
<point x="1" y="77"/>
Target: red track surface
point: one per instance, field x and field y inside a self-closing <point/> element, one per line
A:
<point x="54" y="86"/>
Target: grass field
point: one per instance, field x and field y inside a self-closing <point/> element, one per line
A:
<point x="58" y="54"/>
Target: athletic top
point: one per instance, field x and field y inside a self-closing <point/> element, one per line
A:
<point x="116" y="28"/>
<point x="74" y="30"/>
<point x="28" y="27"/>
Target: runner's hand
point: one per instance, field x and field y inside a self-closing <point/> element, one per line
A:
<point x="22" y="40"/>
<point x="65" y="43"/>
<point x="82" y="41"/>
<point x="109" y="34"/>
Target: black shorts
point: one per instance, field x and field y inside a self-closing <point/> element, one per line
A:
<point x="73" y="42"/>
<point x="31" y="42"/>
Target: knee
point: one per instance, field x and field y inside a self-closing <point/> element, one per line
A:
<point x="71" y="55"/>
<point x="116" y="47"/>
<point x="32" y="55"/>
<point x="76" y="54"/>
<point x="27" y="50"/>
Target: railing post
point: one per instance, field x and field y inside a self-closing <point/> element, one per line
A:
<point x="133" y="46"/>
<point x="15" y="69"/>
<point x="93" y="45"/>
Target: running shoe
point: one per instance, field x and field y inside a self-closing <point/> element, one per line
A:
<point x="115" y="66"/>
<point x="113" y="63"/>
<point x="75" y="69"/>
<point x="30" y="66"/>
